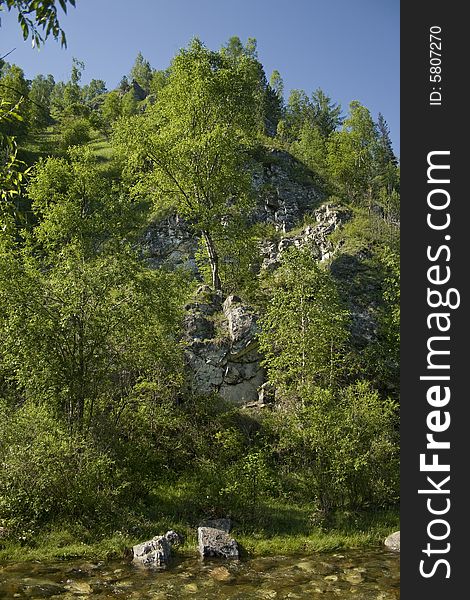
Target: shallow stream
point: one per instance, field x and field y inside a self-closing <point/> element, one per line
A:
<point x="371" y="574"/>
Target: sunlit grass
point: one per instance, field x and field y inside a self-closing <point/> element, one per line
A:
<point x="277" y="528"/>
<point x="102" y="149"/>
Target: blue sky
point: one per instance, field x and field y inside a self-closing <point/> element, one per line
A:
<point x="349" y="48"/>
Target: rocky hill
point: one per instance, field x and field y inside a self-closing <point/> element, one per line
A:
<point x="220" y="333"/>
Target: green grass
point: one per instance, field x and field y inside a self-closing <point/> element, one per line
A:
<point x="39" y="145"/>
<point x="47" y="143"/>
<point x="276" y="528"/>
<point x="102" y="149"/>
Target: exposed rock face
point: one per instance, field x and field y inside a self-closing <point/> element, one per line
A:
<point x="224" y="361"/>
<point x="227" y="361"/>
<point x="282" y="198"/>
<point x="221" y="344"/>
<point x="361" y="291"/>
<point x="216" y="543"/>
<point x="392" y="542"/>
<point x="171" y="243"/>
<point x="328" y="217"/>
<point x="282" y="201"/>
<point x="155" y="552"/>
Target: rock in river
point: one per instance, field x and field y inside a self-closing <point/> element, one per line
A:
<point x="216" y="543"/>
<point x="155" y="552"/>
<point x="393" y="541"/>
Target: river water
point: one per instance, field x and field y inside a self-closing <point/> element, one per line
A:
<point x="371" y="574"/>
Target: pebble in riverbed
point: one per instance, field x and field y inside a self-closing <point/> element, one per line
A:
<point x="221" y="574"/>
<point x="78" y="587"/>
<point x="353" y="576"/>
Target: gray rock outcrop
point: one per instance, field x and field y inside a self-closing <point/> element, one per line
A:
<point x="283" y="197"/>
<point x="222" y="349"/>
<point x="328" y="219"/>
<point x="170" y="242"/>
<point x="216" y="543"/>
<point x="221" y="335"/>
<point x="281" y="200"/>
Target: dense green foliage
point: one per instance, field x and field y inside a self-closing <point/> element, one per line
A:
<point x="305" y="326"/>
<point x="98" y="425"/>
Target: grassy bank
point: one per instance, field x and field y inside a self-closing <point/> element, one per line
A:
<point x="279" y="529"/>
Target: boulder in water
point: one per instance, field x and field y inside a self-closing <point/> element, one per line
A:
<point x="157" y="551"/>
<point x="392" y="542"/>
<point x="216" y="543"/>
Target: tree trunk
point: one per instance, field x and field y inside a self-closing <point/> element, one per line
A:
<point x="213" y="261"/>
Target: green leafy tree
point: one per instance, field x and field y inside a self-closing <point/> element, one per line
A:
<point x="342" y="445"/>
<point x="351" y="155"/>
<point x="298" y="111"/>
<point x="277" y="85"/>
<point x="40" y="101"/>
<point x="195" y="138"/>
<point x="158" y="82"/>
<point x="67" y="100"/>
<point x="83" y="321"/>
<point x="382" y="357"/>
<point x="12" y="170"/>
<point x="94" y="89"/>
<point x="37" y="15"/>
<point x="234" y="47"/>
<point x="385" y="154"/>
<point x="80" y="336"/>
<point x="310" y="123"/>
<point x="304" y="114"/>
<point x="270" y="104"/>
<point x="326" y="114"/>
<point x="129" y="104"/>
<point x="57" y="100"/>
<point x="111" y="109"/>
<point x="387" y="175"/>
<point x="15" y="91"/>
<point x="305" y="328"/>
<point x="273" y="100"/>
<point x="74" y="132"/>
<point x="74" y="201"/>
<point x="311" y="148"/>
<point x="72" y="92"/>
<point x="48" y="475"/>
<point x="124" y="84"/>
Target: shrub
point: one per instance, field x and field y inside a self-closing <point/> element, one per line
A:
<point x="46" y="474"/>
<point x="75" y="133"/>
<point x="342" y="447"/>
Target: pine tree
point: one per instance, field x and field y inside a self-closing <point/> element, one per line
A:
<point x="141" y="72"/>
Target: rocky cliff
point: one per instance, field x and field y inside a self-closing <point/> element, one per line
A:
<point x="220" y="333"/>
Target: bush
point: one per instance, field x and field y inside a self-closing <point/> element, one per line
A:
<point x="46" y="474"/>
<point x="75" y="133"/>
<point x="340" y="448"/>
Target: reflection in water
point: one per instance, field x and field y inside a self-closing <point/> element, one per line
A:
<point x="356" y="574"/>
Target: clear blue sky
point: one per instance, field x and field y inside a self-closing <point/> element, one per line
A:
<point x="349" y="48"/>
